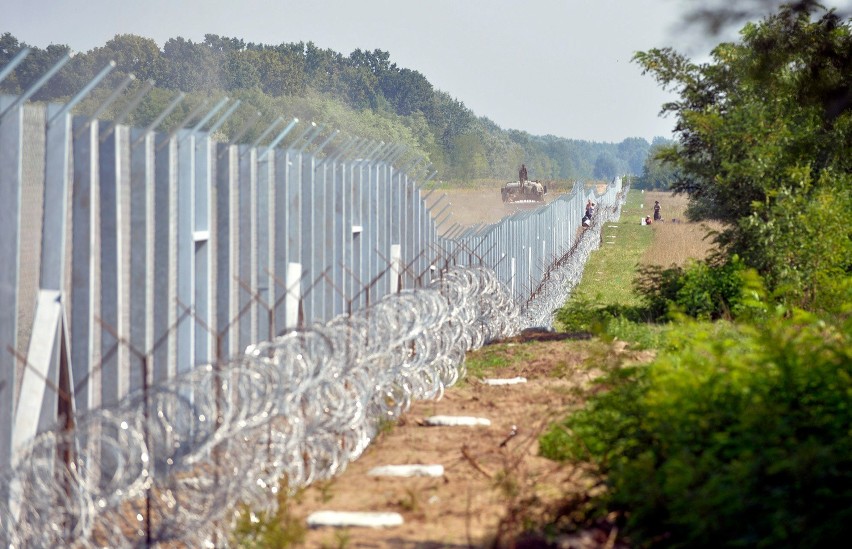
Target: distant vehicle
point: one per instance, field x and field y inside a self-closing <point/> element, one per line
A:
<point x="523" y="191"/>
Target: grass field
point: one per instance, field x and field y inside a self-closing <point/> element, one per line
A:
<point x="627" y="244"/>
<point x="608" y="276"/>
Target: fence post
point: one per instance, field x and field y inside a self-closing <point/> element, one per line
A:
<point x="11" y="145"/>
<point x="110" y="268"/>
<point x="359" y="215"/>
<point x="294" y="200"/>
<point x="223" y="245"/>
<point x="246" y="246"/>
<point x="201" y="238"/>
<point x="263" y="231"/>
<point x="141" y="219"/>
<point x="83" y="204"/>
<point x="340" y="238"/>
<point x="279" y="233"/>
<point x="163" y="267"/>
<point x="184" y="196"/>
<point x="308" y="238"/>
<point x="320" y="229"/>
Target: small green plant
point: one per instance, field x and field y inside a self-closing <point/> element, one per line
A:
<point x="324" y="487"/>
<point x="340" y="540"/>
<point x="385" y="426"/>
<point x="273" y="530"/>
<point x="494" y="357"/>
<point x="411" y="501"/>
<point x="507" y="482"/>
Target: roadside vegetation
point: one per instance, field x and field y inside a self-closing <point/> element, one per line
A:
<point x="738" y="432"/>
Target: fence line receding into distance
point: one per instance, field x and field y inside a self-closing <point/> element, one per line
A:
<point x="185" y="322"/>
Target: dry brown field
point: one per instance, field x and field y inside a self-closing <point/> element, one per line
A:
<point x="676" y="241"/>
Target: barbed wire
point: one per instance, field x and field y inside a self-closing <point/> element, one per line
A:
<point x="167" y="464"/>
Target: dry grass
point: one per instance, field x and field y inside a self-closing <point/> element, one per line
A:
<point x="675" y="240"/>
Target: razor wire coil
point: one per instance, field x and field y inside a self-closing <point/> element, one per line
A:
<point x="166" y="464"/>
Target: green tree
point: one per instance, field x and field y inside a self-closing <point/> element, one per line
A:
<point x="605" y="166"/>
<point x="764" y="134"/>
<point x="132" y="54"/>
<point x="38" y="62"/>
<point x="242" y="70"/>
<point x="187" y="66"/>
<point x="656" y="173"/>
<point x="633" y="151"/>
<point x="469" y="157"/>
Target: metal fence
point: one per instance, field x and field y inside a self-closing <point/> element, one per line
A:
<point x="133" y="260"/>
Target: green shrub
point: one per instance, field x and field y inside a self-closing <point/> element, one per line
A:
<point x="701" y="290"/>
<point x="582" y="315"/>
<point x="735" y="436"/>
<point x="658" y="288"/>
<point x="704" y="290"/>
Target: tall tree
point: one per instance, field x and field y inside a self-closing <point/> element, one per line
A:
<point x="764" y="136"/>
<point x="633" y="152"/>
<point x="656" y="173"/>
<point x="605" y="166"/>
<point x="131" y="53"/>
<point x="187" y="66"/>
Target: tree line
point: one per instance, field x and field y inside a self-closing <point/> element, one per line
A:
<point x="362" y="94"/>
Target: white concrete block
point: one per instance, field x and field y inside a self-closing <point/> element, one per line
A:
<point x="342" y="519"/>
<point x="457" y="421"/>
<point x="507" y="381"/>
<point x="416" y="470"/>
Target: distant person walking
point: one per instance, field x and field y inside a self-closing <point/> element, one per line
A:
<point x="657" y="215"/>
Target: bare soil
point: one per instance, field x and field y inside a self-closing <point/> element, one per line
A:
<point x="494" y="482"/>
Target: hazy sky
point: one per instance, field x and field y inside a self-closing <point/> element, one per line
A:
<point x="558" y="67"/>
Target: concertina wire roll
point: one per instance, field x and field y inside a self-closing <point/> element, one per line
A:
<point x="167" y="464"/>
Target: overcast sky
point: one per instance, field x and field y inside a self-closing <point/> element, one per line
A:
<point x="560" y="67"/>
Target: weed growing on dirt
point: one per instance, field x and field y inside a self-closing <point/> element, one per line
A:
<point x="340" y="540"/>
<point x="385" y="426"/>
<point x="262" y="530"/>
<point x="324" y="487"/>
<point x="411" y="501"/>
<point x="492" y="358"/>
<point x="561" y="370"/>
